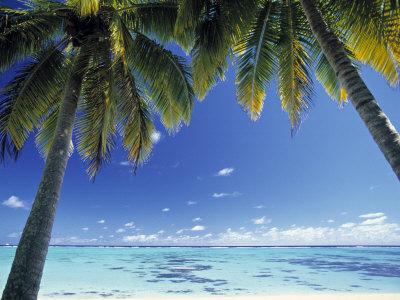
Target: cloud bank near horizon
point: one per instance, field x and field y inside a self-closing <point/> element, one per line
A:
<point x="371" y="229"/>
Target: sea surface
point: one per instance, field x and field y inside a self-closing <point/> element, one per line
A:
<point x="128" y="272"/>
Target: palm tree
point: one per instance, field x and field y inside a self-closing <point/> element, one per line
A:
<point x="378" y="124"/>
<point x="94" y="61"/>
<point x="269" y="37"/>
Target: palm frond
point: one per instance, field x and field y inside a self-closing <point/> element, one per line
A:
<point x="97" y="111"/>
<point x="85" y="7"/>
<point x="47" y="129"/>
<point x="295" y="83"/>
<point x="188" y="18"/>
<point x="256" y="59"/>
<point x="363" y="25"/>
<point x="169" y="83"/>
<point x="134" y="116"/>
<point x="28" y="97"/>
<point x="327" y="77"/>
<point x="210" y="50"/>
<point x="392" y="32"/>
<point x="23" y="33"/>
<point x="238" y="13"/>
<point x="156" y="19"/>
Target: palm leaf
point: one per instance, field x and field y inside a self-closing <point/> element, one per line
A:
<point x="28" y="97"/>
<point x="211" y="47"/>
<point x="136" y="126"/>
<point x="155" y="19"/>
<point x="327" y="77"/>
<point x="362" y="23"/>
<point x="47" y="129"/>
<point x="256" y="60"/>
<point x="188" y="18"/>
<point x="23" y="33"/>
<point x="295" y="83"/>
<point x="85" y="7"/>
<point x="169" y="84"/>
<point x="97" y="111"/>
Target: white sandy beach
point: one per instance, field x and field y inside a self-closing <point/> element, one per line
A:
<point x="347" y="296"/>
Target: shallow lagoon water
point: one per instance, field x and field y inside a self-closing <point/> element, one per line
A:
<point x="128" y="272"/>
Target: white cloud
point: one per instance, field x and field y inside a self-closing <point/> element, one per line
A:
<point x="331" y="221"/>
<point x="105" y="227"/>
<point x="130" y="224"/>
<point x="139" y="238"/>
<point x="190" y="203"/>
<point x="155" y="136"/>
<point x="372" y="215"/>
<point x="347" y="225"/>
<point x="198" y="228"/>
<point x="101" y="221"/>
<point x="259" y="206"/>
<point x="73" y="240"/>
<point x="261" y="221"/>
<point x="374" y="221"/>
<point x="120" y="230"/>
<point x="165" y="209"/>
<point x="85" y="228"/>
<point x="197" y="219"/>
<point x="225" y="172"/>
<point x="14" y="235"/>
<point x="378" y="234"/>
<point x="222" y="195"/>
<point x="366" y="231"/>
<point x="343" y="213"/>
<point x="14" y="202"/>
<point x="177" y="164"/>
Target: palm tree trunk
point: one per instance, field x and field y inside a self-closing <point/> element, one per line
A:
<point x="380" y="127"/>
<point x="27" y="268"/>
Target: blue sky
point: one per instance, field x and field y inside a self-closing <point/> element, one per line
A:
<point x="329" y="184"/>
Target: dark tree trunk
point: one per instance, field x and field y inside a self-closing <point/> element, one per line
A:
<point x="378" y="124"/>
<point x="24" y="279"/>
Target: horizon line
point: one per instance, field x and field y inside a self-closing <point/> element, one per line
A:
<point x="217" y="246"/>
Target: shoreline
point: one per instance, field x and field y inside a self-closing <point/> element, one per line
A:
<point x="332" y="296"/>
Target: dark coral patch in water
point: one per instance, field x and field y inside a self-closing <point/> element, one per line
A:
<point x="106" y="294"/>
<point x="369" y="269"/>
<point x="180" y="292"/>
<point x="291" y="277"/>
<point x="116" y="268"/>
<point x="213" y="291"/>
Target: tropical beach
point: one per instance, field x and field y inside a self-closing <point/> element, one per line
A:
<point x="199" y="149"/>
<point x="201" y="273"/>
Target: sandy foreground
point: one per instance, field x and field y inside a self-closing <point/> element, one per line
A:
<point x="266" y="297"/>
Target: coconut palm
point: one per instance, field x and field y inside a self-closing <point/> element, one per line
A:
<point x="270" y="39"/>
<point x="378" y="124"/>
<point x="98" y="62"/>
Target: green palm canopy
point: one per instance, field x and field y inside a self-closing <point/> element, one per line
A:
<point x="127" y="75"/>
<point x="271" y="40"/>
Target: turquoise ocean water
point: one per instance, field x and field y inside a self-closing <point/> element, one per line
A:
<point x="128" y="272"/>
